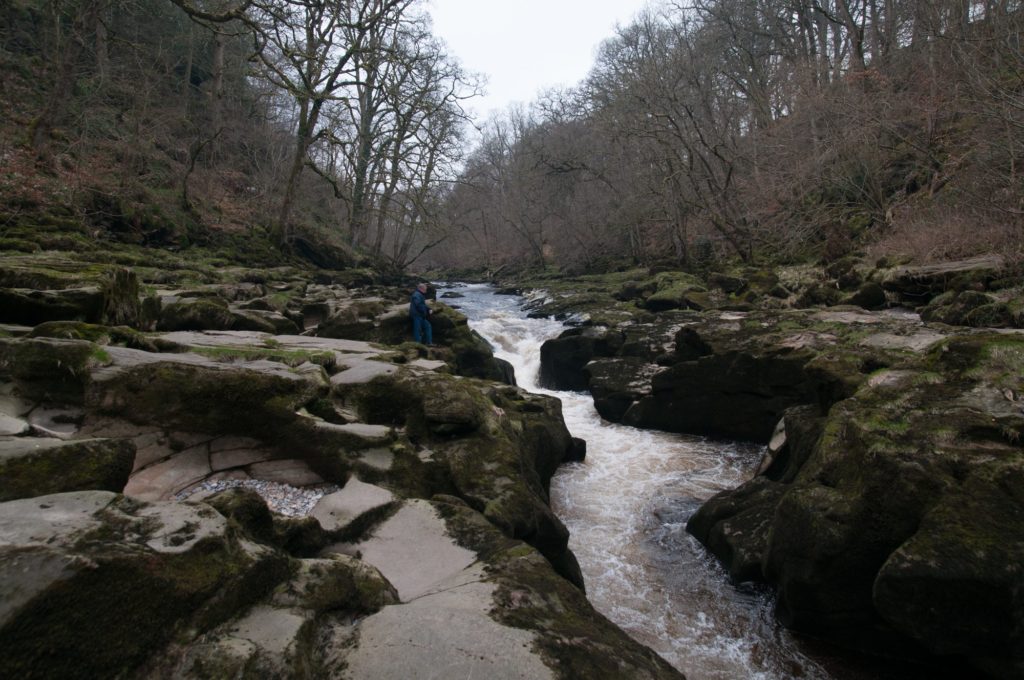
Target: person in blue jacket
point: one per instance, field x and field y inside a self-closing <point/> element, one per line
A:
<point x="418" y="310"/>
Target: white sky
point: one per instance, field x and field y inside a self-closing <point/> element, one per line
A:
<point x="526" y="46"/>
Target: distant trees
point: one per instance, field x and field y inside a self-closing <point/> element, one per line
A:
<point x="758" y="128"/>
<point x="257" y="102"/>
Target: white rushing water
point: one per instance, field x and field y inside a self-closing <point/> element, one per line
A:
<point x="626" y="507"/>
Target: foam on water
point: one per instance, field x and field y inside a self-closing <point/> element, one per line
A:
<point x="626" y="507"/>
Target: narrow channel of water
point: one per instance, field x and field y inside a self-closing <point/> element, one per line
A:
<point x="627" y="506"/>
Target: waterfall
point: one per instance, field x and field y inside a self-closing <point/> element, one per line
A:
<point x="626" y="507"/>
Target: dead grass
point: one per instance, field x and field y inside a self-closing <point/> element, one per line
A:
<point x="928" y="236"/>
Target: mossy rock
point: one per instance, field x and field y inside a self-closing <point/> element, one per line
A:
<point x="202" y="314"/>
<point x="818" y="295"/>
<point x="571" y="636"/>
<point x="734" y="525"/>
<point x="183" y="567"/>
<point x="870" y="295"/>
<point x="33" y="466"/>
<point x="970" y="539"/>
<point x="33" y="307"/>
<point x="727" y="283"/>
<point x="257" y="398"/>
<point x="100" y="335"/>
<point x="50" y="369"/>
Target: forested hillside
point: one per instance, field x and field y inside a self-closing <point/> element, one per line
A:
<point x="767" y="130"/>
<point x="764" y="129"/>
<point x="322" y="129"/>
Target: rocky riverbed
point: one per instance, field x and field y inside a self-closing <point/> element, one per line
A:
<point x="888" y="513"/>
<point x="212" y="472"/>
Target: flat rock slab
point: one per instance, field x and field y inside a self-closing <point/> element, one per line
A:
<point x="428" y="364"/>
<point x="163" y="480"/>
<point x="378" y="459"/>
<point x="336" y="510"/>
<point x="125" y="358"/>
<point x="362" y="371"/>
<point x="36" y="521"/>
<point x="357" y="435"/>
<point x="259" y="339"/>
<point x="448" y="634"/>
<point x="413" y="550"/>
<point x="915" y="342"/>
<point x="848" y="316"/>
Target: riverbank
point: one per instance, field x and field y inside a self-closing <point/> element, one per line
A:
<point x="895" y="441"/>
<point x="433" y="546"/>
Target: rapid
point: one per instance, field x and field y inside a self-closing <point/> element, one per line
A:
<point x="626" y="507"/>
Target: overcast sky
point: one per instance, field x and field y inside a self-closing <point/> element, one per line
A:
<point x="525" y="46"/>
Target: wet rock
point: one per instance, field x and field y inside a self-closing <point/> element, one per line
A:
<point x="734" y="525"/>
<point x="868" y="512"/>
<point x="562" y="359"/>
<point x="736" y="394"/>
<point x="617" y="384"/>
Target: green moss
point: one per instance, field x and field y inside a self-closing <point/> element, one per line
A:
<point x="74" y="466"/>
<point x="170" y="594"/>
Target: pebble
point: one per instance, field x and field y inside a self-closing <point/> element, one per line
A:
<point x="284" y="499"/>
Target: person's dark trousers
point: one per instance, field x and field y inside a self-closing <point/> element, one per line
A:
<point x="422" y="331"/>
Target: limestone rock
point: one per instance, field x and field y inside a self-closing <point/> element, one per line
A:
<point x="337" y="510"/>
<point x="870" y="511"/>
<point x="562" y="359"/>
<point x="916" y="285"/>
<point x="61" y="554"/>
<point x="35" y="466"/>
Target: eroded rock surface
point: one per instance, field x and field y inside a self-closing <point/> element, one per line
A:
<point x="380" y="581"/>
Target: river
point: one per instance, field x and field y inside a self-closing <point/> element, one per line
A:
<point x="626" y="507"/>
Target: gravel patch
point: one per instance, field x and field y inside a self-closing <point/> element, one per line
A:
<point x="284" y="499"/>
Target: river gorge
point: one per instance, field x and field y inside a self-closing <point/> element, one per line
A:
<point x="626" y="507"/>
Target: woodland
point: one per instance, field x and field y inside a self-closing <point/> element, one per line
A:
<point x="707" y="130"/>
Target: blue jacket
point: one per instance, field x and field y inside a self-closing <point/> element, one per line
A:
<point x="418" y="305"/>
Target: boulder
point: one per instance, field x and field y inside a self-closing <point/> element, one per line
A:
<point x="968" y="308"/>
<point x="33" y="307"/>
<point x="33" y="291"/>
<point x="107" y="580"/>
<point x="727" y="282"/>
<point x="562" y="359"/>
<point x="737" y="394"/>
<point x="495" y="449"/>
<point x="917" y="285"/>
<point x="870" y="295"/>
<point x="868" y="514"/>
<point x="254" y="398"/>
<point x="37" y="466"/>
<point x="197" y="314"/>
<point x="616" y="384"/>
<point x="734" y="526"/>
<point x="51" y="369"/>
